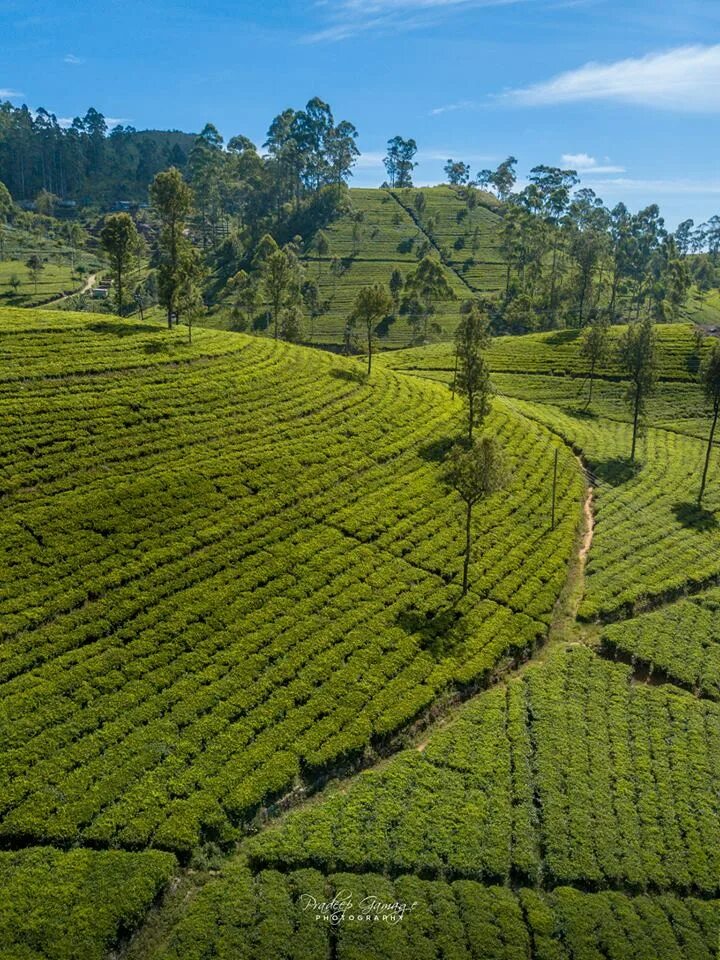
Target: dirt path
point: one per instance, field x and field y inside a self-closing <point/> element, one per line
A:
<point x="86" y="287"/>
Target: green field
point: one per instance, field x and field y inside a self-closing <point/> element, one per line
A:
<point x="57" y="278"/>
<point x="233" y="651"/>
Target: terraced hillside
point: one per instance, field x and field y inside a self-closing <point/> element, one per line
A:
<point x="366" y="246"/>
<point x="466" y="236"/>
<point x="557" y="354"/>
<point x="228" y="565"/>
<point x="489" y="840"/>
<point x="233" y="584"/>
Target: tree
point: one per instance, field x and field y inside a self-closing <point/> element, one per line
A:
<point x="637" y="355"/>
<point x="457" y="172"/>
<point x="281" y="283"/>
<point x="501" y="180"/>
<point x="372" y="304"/>
<point x="188" y="276"/>
<point x="683" y="236"/>
<point x="473" y="376"/>
<point x="7" y="207"/>
<point x="35" y="267"/>
<point x="121" y="242"/>
<point x="476" y="473"/>
<point x="423" y="288"/>
<point x="291" y="323"/>
<point x="14" y="282"/>
<point x="594" y="349"/>
<point x="395" y="284"/>
<point x="172" y="201"/>
<point x="321" y="245"/>
<point x="178" y="284"/>
<point x="711" y="385"/>
<point x="399" y="161"/>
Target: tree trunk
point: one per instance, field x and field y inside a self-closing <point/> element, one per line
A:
<point x="471" y="415"/>
<point x="455" y="371"/>
<point x="468" y="543"/>
<point x="369" y="338"/>
<point x="716" y="410"/>
<point x="636" y="415"/>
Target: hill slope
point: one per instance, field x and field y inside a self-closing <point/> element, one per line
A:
<point x="231" y="565"/>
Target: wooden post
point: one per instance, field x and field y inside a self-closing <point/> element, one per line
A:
<point x="552" y="522"/>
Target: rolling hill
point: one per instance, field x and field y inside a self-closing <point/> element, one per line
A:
<point x="233" y="652"/>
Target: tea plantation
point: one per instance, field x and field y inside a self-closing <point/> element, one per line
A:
<point x="234" y="653"/>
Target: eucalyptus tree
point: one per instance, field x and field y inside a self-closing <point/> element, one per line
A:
<point x="121" y="243"/>
<point x="399" y="161"/>
<point x="424" y="287"/>
<point x="372" y="304"/>
<point x="472" y="378"/>
<point x="476" y="473"/>
<point x="637" y="356"/>
<point x="711" y="384"/>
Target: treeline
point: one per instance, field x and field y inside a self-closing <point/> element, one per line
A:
<point x="83" y="161"/>
<point x="571" y="258"/>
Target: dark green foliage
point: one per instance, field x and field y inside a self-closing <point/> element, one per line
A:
<point x="72" y="906"/>
<point x="205" y="593"/>
<point x="242" y="916"/>
<point x="625" y="778"/>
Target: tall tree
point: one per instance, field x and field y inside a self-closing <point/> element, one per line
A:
<point x="501" y="180"/>
<point x="172" y="201"/>
<point x="424" y="287"/>
<point x="35" y="265"/>
<point x="396" y="284"/>
<point x="473" y="375"/>
<point x="372" y="304"/>
<point x="594" y="348"/>
<point x="711" y="385"/>
<point x="637" y="356"/>
<point x="399" y="161"/>
<point x="475" y="474"/>
<point x="281" y="283"/>
<point x="121" y="242"/>
<point x="457" y="172"/>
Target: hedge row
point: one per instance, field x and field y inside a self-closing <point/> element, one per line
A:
<point x="572" y="775"/>
<point x="72" y="906"/>
<point x="242" y="916"/>
<point x="228" y="574"/>
<point x="682" y="640"/>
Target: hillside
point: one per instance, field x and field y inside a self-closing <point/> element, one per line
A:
<point x="382" y="233"/>
<point x="233" y="584"/>
<point x="570" y="809"/>
<point x="230" y="577"/>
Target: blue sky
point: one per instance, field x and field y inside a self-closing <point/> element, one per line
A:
<point x="627" y="91"/>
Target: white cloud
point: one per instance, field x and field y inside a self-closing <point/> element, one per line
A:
<point x="669" y="187"/>
<point x="71" y="58"/>
<point x="584" y="163"/>
<point x="350" y="17"/>
<point x="452" y="107"/>
<point x="110" y="121"/>
<point x="369" y="160"/>
<point x="685" y="79"/>
<point x="7" y="94"/>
